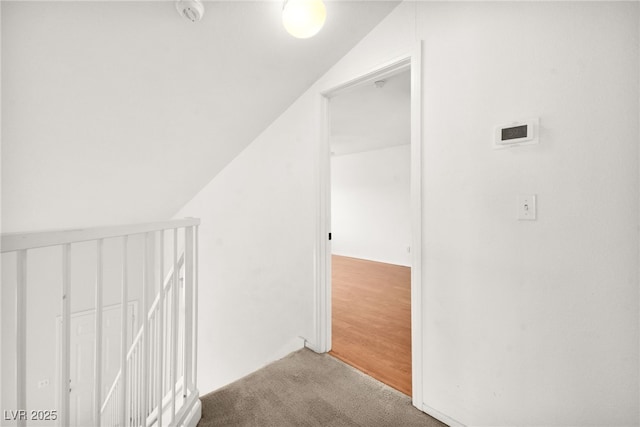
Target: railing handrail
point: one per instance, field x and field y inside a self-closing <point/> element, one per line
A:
<point x="22" y="241"/>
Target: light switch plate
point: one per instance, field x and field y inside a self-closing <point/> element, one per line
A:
<point x="526" y="207"/>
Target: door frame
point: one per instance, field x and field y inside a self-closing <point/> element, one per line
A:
<point x="409" y="60"/>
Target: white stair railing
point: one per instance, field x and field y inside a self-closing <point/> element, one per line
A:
<point x="156" y="381"/>
<point x="159" y="384"/>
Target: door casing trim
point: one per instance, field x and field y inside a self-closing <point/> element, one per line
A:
<point x="411" y="60"/>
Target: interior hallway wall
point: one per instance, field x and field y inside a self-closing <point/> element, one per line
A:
<point x="256" y="271"/>
<point x="525" y="323"/>
<point x="539" y="319"/>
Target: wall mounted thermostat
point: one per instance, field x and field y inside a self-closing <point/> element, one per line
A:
<point x="516" y="134"/>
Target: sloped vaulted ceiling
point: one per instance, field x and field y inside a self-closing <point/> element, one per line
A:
<point x="116" y="112"/>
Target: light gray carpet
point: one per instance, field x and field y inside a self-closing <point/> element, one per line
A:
<point x="309" y="389"/>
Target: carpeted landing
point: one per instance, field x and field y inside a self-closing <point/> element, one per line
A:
<point x="310" y="389"/>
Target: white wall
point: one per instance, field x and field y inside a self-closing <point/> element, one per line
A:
<point x="532" y="323"/>
<point x="525" y="323"/>
<point x="255" y="293"/>
<point x="370" y="216"/>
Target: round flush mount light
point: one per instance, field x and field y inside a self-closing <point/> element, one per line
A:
<point x="303" y="18"/>
<point x="190" y="9"/>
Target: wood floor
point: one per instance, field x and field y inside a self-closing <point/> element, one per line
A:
<point x="371" y="319"/>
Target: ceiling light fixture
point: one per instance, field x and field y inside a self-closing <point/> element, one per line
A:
<point x="303" y="18"/>
<point x="190" y="9"/>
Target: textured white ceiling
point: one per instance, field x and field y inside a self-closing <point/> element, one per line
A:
<point x="119" y="112"/>
<point x="369" y="118"/>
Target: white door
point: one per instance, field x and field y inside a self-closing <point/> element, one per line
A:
<point x="82" y="358"/>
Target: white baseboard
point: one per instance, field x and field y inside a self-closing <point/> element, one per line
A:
<point x="440" y="416"/>
<point x="194" y="416"/>
<point x="310" y="346"/>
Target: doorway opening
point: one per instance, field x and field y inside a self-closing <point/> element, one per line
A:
<point x="348" y="81"/>
<point x="370" y="142"/>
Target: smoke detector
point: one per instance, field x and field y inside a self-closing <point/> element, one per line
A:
<point x="190" y="9"/>
<point x="380" y="83"/>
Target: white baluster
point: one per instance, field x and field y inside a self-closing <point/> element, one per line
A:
<point x="136" y="387"/>
<point x="161" y="302"/>
<point x="116" y="402"/>
<point x="66" y="336"/>
<point x="131" y="391"/>
<point x="188" y="313"/>
<point x="152" y="362"/>
<point x="174" y="325"/>
<point x="195" y="312"/>
<point x="21" y="333"/>
<point x="97" y="373"/>
<point x="123" y="336"/>
<point x="146" y="285"/>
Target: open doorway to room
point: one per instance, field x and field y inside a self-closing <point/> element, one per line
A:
<point x="370" y="186"/>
